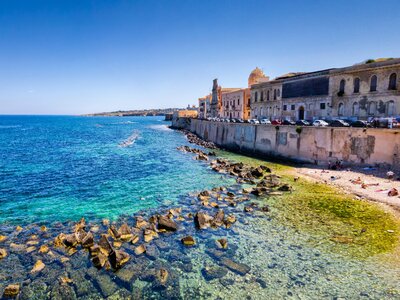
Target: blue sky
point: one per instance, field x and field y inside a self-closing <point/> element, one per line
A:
<point x="79" y="56"/>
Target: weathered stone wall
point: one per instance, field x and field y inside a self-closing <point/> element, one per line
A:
<point x="312" y="144"/>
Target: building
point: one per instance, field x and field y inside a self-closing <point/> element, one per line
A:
<point x="216" y="109"/>
<point x="236" y="104"/>
<point x="362" y="91"/>
<point x="204" y="107"/>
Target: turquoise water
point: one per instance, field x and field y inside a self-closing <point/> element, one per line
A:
<point x="58" y="168"/>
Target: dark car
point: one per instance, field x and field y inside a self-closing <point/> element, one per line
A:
<point x="360" y="123"/>
<point x="339" y="123"/>
<point x="302" y="123"/>
<point x="287" y="122"/>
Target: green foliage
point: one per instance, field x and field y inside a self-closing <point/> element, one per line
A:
<point x="299" y="129"/>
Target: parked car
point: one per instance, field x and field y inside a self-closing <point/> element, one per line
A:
<point x="360" y="123"/>
<point x="303" y="123"/>
<point x="240" y="121"/>
<point x="288" y="122"/>
<point x="276" y="122"/>
<point x="339" y="123"/>
<point x="265" y="121"/>
<point x="320" y="123"/>
<point x="254" y="121"/>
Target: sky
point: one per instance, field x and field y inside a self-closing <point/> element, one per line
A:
<point x="81" y="56"/>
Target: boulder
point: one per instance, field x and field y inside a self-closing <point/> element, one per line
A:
<point x="166" y="224"/>
<point x="248" y="209"/>
<point x="105" y="246"/>
<point x="218" y="219"/>
<point x="257" y="172"/>
<point x="99" y="260"/>
<point x="202" y="220"/>
<point x="88" y="240"/>
<point x="265" y="208"/>
<point x="215" y="272"/>
<point x="140" y="249"/>
<point x="125" y="232"/>
<point x="3" y="253"/>
<point x="239" y="268"/>
<point x="118" y="258"/>
<point x="70" y="240"/>
<point x="230" y="219"/>
<point x="39" y="266"/>
<point x="141" y="222"/>
<point x="222" y="243"/>
<point x="162" y="276"/>
<point x="11" y="291"/>
<point x="149" y="235"/>
<point x="285" y="188"/>
<point x="114" y="232"/>
<point x="188" y="241"/>
<point x="94" y="250"/>
<point x="2" y="238"/>
<point x="152" y="252"/>
<point x="135" y="239"/>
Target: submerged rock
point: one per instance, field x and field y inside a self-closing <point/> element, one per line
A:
<point x="39" y="266"/>
<point x="140" y="249"/>
<point x="240" y="268"/>
<point x="215" y="272"/>
<point x="222" y="243"/>
<point x="11" y="291"/>
<point x="201" y="220"/>
<point x="167" y="224"/>
<point x="3" y="253"/>
<point x="105" y="246"/>
<point x="218" y="219"/>
<point x="118" y="258"/>
<point x="125" y="232"/>
<point x="188" y="241"/>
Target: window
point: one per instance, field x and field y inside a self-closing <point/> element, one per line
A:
<point x="279" y="92"/>
<point x="342" y="86"/>
<point x="322" y="105"/>
<point x="310" y="106"/>
<point x="238" y="102"/>
<point x="293" y="107"/>
<point x="374" y="83"/>
<point x="390" y="108"/>
<point x="274" y="94"/>
<point x="393" y="82"/>
<point x="255" y="97"/>
<point x="268" y="95"/>
<point x="371" y="108"/>
<point x="262" y="96"/>
<point x="356" y="109"/>
<point x="285" y="107"/>
<point x="356" y="85"/>
<point x="341" y="109"/>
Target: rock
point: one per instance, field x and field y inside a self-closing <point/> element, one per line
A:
<point x="118" y="258"/>
<point x="265" y="208"/>
<point x="162" y="245"/>
<point x="30" y="249"/>
<point x="393" y="192"/>
<point x="82" y="285"/>
<point x="70" y="240"/>
<point x="202" y="220"/>
<point x="94" y="250"/>
<point x="64" y="280"/>
<point x="106" y="222"/>
<point x="106" y="285"/>
<point x="167" y="224"/>
<point x="247" y="190"/>
<point x="140" y="249"/>
<point x="88" y="240"/>
<point x="152" y="252"/>
<point x="3" y="253"/>
<point x="125" y="232"/>
<point x="43" y="249"/>
<point x="141" y="222"/>
<point x="114" y="232"/>
<point x="257" y="172"/>
<point x="62" y="292"/>
<point x="201" y="156"/>
<point x="105" y="246"/>
<point x="248" y="209"/>
<point x="18" y="228"/>
<point x="285" y="188"/>
<point x="218" y="219"/>
<point x="222" y="243"/>
<point x="162" y="276"/>
<point x="43" y="228"/>
<point x="117" y="244"/>
<point x="135" y="239"/>
<point x="59" y="240"/>
<point x="80" y="225"/>
<point x="210" y="273"/>
<point x="11" y="291"/>
<point x="230" y="194"/>
<point x="120" y="294"/>
<point x="2" y="238"/>
<point x="39" y="266"/>
<point x="241" y="269"/>
<point x="149" y="235"/>
<point x="188" y="241"/>
<point x="99" y="260"/>
<point x="230" y="219"/>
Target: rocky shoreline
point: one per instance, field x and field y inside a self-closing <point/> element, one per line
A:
<point x="77" y="259"/>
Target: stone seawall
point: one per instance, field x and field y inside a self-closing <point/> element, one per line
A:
<point x="305" y="144"/>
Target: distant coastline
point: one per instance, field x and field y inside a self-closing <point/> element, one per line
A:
<point x="132" y="113"/>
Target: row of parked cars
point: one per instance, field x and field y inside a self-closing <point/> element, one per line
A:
<point x="381" y="122"/>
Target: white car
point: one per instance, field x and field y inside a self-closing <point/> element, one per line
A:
<point x="265" y="121"/>
<point x="254" y="121"/>
<point x="320" y="123"/>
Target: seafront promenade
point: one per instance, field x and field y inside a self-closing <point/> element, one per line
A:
<point x="316" y="145"/>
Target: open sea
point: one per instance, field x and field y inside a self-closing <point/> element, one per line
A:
<point x="54" y="170"/>
<point x="58" y="168"/>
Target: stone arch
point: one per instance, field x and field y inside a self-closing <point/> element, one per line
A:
<point x="374" y="83"/>
<point x="391" y="108"/>
<point x="341" y="109"/>
<point x="356" y="109"/>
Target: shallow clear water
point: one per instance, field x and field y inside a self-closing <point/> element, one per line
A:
<point x="63" y="168"/>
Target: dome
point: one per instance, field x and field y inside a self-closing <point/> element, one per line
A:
<point x="257" y="75"/>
